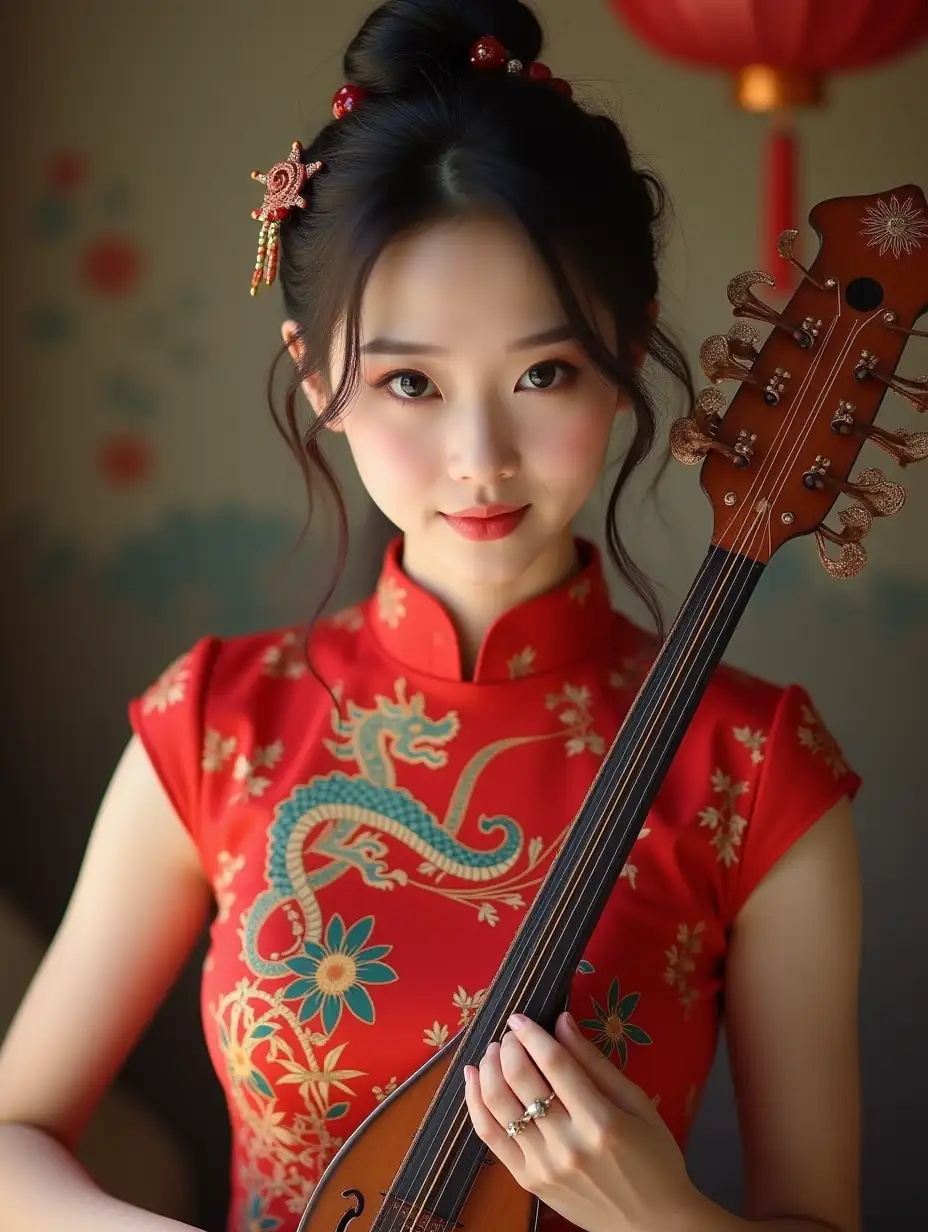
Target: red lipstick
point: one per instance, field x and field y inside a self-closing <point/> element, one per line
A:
<point x="486" y="521"/>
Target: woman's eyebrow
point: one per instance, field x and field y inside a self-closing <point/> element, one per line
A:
<point x="395" y="346"/>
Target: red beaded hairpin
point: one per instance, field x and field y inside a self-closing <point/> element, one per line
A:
<point x="284" y="182"/>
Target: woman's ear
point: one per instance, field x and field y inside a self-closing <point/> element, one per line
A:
<point x="314" y="385"/>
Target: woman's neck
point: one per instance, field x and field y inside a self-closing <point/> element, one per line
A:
<point x="475" y="606"/>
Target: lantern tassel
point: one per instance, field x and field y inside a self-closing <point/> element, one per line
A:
<point x="781" y="192"/>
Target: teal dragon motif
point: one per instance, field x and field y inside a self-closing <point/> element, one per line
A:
<point x="346" y="818"/>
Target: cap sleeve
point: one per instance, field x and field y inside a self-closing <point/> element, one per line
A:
<point x="168" y="719"/>
<point x="804" y="773"/>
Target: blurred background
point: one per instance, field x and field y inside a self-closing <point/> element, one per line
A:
<point x="147" y="498"/>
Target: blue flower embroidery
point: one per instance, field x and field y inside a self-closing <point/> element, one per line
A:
<point x="256" y="1217"/>
<point x="334" y="973"/>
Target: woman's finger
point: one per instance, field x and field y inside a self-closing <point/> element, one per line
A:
<point x="605" y="1076"/>
<point x="499" y="1099"/>
<point x="528" y="1084"/>
<point x="487" y="1127"/>
<point x="563" y="1073"/>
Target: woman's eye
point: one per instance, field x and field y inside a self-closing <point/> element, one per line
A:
<point x="407" y="386"/>
<point x="542" y="376"/>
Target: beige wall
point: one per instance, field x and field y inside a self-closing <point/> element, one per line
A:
<point x="172" y="104"/>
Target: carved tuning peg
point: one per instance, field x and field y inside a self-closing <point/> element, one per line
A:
<point x="719" y="364"/>
<point x="744" y="340"/>
<point x="903" y="447"/>
<point x="913" y="389"/>
<point x="746" y="304"/>
<point x="692" y="437"/>
<point x="785" y="243"/>
<point x="856" y="521"/>
<point x="881" y="497"/>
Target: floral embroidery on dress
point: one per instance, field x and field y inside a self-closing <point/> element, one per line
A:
<point x="577" y="717"/>
<point x="255" y="1217"/>
<point x="681" y="964"/>
<point x="217" y="749"/>
<point x="333" y="973"/>
<point x="752" y="740"/>
<point x="390" y="606"/>
<point x="436" y="1034"/>
<point x="629" y="870"/>
<point x="815" y="736"/>
<point x="170" y="688"/>
<point x="634" y="669"/>
<point x="350" y="618"/>
<point x="467" y="1003"/>
<point x="287" y="658"/>
<point x="243" y="772"/>
<point x="381" y="1093"/>
<point x="521" y="664"/>
<point x="613" y="1026"/>
<point x="229" y="865"/>
<point x="580" y="591"/>
<point x="726" y="824"/>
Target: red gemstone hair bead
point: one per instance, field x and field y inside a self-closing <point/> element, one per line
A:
<point x="564" y="86"/>
<point x="346" y="99"/>
<point x="488" y="52"/>
<point x="538" y="71"/>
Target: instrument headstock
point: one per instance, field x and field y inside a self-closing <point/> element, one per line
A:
<point x="780" y="456"/>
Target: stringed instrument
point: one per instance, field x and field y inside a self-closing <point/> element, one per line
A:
<point x="774" y="464"/>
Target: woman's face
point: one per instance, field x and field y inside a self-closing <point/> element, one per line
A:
<point x="474" y="394"/>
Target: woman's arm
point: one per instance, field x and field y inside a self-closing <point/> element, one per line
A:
<point x="791" y="997"/>
<point x="137" y="909"/>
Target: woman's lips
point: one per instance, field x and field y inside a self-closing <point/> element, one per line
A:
<point x="485" y="523"/>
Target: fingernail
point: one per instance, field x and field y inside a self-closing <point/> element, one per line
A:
<point x="518" y="1021"/>
<point x="570" y="1023"/>
<point x="469" y="1073"/>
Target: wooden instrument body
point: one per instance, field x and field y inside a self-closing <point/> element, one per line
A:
<point x="351" y="1191"/>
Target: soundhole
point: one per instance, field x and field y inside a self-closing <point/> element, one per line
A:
<point x="864" y="294"/>
<point x="350" y="1215"/>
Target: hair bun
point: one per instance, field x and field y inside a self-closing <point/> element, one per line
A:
<point x="404" y="43"/>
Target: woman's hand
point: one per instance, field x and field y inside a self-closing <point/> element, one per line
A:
<point x="601" y="1156"/>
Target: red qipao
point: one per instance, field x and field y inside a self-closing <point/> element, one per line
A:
<point x="370" y="864"/>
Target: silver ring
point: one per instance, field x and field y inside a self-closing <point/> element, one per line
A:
<point x="538" y="1108"/>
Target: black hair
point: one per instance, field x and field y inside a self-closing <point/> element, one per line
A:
<point x="436" y="139"/>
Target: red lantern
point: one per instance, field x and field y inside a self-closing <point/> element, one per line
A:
<point x="779" y="53"/>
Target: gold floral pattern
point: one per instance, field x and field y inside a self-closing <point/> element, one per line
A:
<point x="265" y="1047"/>
<point x="244" y="772"/>
<point x="390" y="606"/>
<point x="217" y="749"/>
<point x="467" y="1003"/>
<point x="521" y="664"/>
<point x="381" y="1093"/>
<point x="681" y="964"/>
<point x="815" y="736"/>
<point x="574" y="711"/>
<point x="287" y="659"/>
<point x="229" y="865"/>
<point x="580" y="591"/>
<point x="436" y="1034"/>
<point x="754" y="741"/>
<point x="726" y="824"/>
<point x="350" y="618"/>
<point x="170" y="688"/>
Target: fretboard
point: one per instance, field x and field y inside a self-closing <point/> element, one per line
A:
<point x="535" y="974"/>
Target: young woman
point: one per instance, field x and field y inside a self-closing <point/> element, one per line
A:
<point x="471" y="293"/>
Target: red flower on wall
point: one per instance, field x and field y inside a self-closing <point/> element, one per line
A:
<point x="66" y="171"/>
<point x="125" y="459"/>
<point x="112" y="265"/>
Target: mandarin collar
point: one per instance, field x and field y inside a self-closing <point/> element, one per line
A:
<point x="539" y="635"/>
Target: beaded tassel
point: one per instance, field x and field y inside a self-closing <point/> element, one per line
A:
<point x="282" y="195"/>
